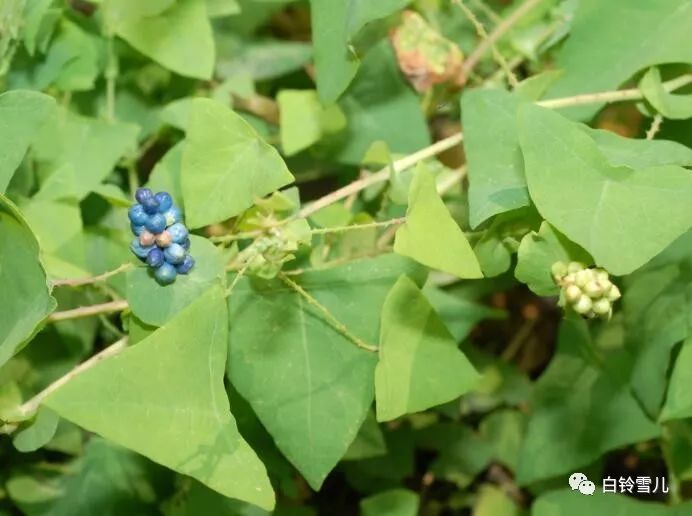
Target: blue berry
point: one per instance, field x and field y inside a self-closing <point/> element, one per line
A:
<point x="143" y="193"/>
<point x="178" y="232"/>
<point x="187" y="265"/>
<point x="165" y="274"/>
<point x="137" y="214"/>
<point x="186" y="244"/>
<point x="165" y="201"/>
<point x="174" y="254"/>
<point x="137" y="230"/>
<point x="173" y="215"/>
<point x="155" y="258"/>
<point x="156" y="223"/>
<point x="139" y="250"/>
<point x="150" y="205"/>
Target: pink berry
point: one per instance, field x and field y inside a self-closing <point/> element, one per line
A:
<point x="163" y="239"/>
<point x="146" y="238"/>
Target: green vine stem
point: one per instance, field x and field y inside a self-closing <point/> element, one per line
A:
<point x="488" y="40"/>
<point x="28" y="408"/>
<point x="355" y="227"/>
<point x="455" y="139"/>
<point x="77" y="282"/>
<point x="87" y="311"/>
<point x="338" y="325"/>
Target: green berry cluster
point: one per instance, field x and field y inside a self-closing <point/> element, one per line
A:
<point x="588" y="291"/>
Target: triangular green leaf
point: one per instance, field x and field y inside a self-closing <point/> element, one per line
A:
<point x="180" y="38"/>
<point x="395" y="502"/>
<point x="334" y="26"/>
<point x="21" y="115"/>
<point x="38" y="432"/>
<point x="226" y="165"/>
<point x="377" y="105"/>
<point x="622" y="217"/>
<point x="310" y="386"/>
<point x="430" y="234"/>
<point x="142" y="288"/>
<point x="79" y="152"/>
<point x="420" y="364"/>
<point x="565" y="502"/>
<point x="24" y="297"/>
<point x="496" y="171"/>
<point x="173" y="376"/>
<point x="678" y="403"/>
<point x="611" y="41"/>
<point x="669" y="105"/>
<point x="537" y="253"/>
<point x="577" y="394"/>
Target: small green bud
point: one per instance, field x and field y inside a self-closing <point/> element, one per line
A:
<point x="572" y="293"/>
<point x="559" y="270"/>
<point x="613" y="293"/>
<point x="601" y="306"/>
<point x="569" y="278"/>
<point x="583" y="305"/>
<point x="601" y="276"/>
<point x="593" y="289"/>
<point x="575" y="266"/>
<point x="583" y="277"/>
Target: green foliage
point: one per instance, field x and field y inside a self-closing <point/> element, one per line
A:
<point x="656" y="33"/>
<point x="284" y="357"/>
<point x="225" y="165"/>
<point x="179" y="38"/>
<point x="21" y="114"/>
<point x="26" y="298"/>
<point x="437" y="272"/>
<point x="170" y="300"/>
<point x="428" y="223"/>
<point x="419" y="364"/>
<point x="611" y="213"/>
<point x="180" y="367"/>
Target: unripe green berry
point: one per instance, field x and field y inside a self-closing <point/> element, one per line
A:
<point x="559" y="270"/>
<point x="601" y="306"/>
<point x="613" y="293"/>
<point x="583" y="305"/>
<point x="601" y="275"/>
<point x="593" y="289"/>
<point x="575" y="266"/>
<point x="572" y="293"/>
<point x="583" y="277"/>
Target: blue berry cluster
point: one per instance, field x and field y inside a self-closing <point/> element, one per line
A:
<point x="161" y="239"/>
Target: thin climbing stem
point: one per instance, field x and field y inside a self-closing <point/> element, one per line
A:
<point x="338" y="325"/>
<point x="655" y="127"/>
<point x="31" y="406"/>
<point x="223" y="239"/>
<point x="455" y="139"/>
<point x="237" y="278"/>
<point x="355" y="227"/>
<point x="382" y="175"/>
<point x="612" y="96"/>
<point x="486" y="43"/>
<point x="502" y="28"/>
<point x="77" y="282"/>
<point x="89" y="311"/>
